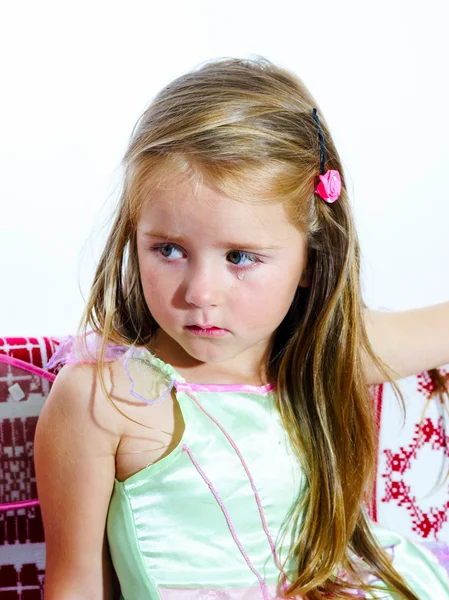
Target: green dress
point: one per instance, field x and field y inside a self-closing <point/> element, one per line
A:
<point x="206" y="521"/>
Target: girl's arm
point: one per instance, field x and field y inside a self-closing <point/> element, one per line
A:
<point x="75" y="443"/>
<point x="410" y="341"/>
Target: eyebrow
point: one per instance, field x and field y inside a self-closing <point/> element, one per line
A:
<point x="180" y="240"/>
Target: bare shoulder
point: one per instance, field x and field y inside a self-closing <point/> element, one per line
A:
<point x="77" y="390"/>
<point x="149" y="430"/>
<point x="76" y="439"/>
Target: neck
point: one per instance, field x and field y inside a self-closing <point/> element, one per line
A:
<point x="249" y="367"/>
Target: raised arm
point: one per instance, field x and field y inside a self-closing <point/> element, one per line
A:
<point x="409" y="341"/>
<point x="75" y="443"/>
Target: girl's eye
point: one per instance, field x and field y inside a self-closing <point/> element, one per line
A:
<point x="237" y="258"/>
<point x="168" y="251"/>
<point x="242" y="259"/>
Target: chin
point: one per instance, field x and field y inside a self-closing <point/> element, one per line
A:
<point x="208" y="356"/>
<point x="209" y="352"/>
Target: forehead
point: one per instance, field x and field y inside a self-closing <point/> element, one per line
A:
<point x="182" y="208"/>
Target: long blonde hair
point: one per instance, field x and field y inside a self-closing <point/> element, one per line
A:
<point x="246" y="128"/>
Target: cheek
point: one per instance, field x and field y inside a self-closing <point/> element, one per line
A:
<point x="280" y="283"/>
<point x="266" y="300"/>
<point x="155" y="284"/>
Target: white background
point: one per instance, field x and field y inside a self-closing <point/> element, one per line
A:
<point x="75" y="76"/>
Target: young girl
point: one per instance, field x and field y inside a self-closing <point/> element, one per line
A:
<point x="214" y="434"/>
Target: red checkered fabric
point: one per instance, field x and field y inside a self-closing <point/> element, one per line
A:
<point x="34" y="350"/>
<point x="22" y="394"/>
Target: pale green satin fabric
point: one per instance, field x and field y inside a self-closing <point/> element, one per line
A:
<point x="168" y="534"/>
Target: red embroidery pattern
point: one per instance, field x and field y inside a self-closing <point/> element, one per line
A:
<point x="426" y="385"/>
<point x="429" y="434"/>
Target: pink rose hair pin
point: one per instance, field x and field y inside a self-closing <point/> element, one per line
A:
<point x="329" y="187"/>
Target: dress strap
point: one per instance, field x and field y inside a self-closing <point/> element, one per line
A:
<point x="139" y="363"/>
<point x="83" y="349"/>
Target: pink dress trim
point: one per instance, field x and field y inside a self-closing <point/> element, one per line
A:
<point x="85" y="349"/>
<point x="21" y="364"/>
<point x="262" y="584"/>
<point x="260" y="390"/>
<point x="253" y="486"/>
<point x="20" y="504"/>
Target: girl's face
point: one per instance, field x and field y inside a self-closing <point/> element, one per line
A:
<point x="218" y="275"/>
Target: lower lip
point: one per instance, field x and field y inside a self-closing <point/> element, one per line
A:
<point x="210" y="332"/>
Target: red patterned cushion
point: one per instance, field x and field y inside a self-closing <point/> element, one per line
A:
<point x="22" y="394"/>
<point x="412" y="491"/>
<point x="35" y="351"/>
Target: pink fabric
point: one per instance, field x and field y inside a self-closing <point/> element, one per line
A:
<point x="441" y="551"/>
<point x="83" y="349"/>
<point x="16" y="362"/>
<point x="261" y="390"/>
<point x="235" y="593"/>
<point x="329" y="187"/>
<point x="16" y="505"/>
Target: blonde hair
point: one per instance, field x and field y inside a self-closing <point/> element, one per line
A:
<point x="246" y="128"/>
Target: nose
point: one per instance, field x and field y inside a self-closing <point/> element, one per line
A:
<point x="203" y="286"/>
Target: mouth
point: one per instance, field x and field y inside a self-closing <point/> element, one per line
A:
<point x="206" y="330"/>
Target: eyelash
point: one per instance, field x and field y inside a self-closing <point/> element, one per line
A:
<point x="255" y="260"/>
